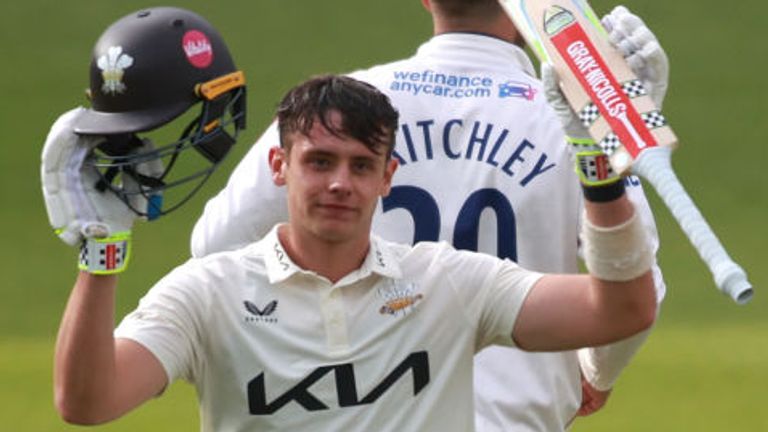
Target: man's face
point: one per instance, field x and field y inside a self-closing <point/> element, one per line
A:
<point x="334" y="184"/>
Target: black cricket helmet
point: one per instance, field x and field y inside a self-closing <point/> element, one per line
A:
<point x="147" y="70"/>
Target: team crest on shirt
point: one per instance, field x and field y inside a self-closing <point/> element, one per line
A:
<point x="399" y="298"/>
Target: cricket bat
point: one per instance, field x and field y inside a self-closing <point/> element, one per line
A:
<point x="621" y="117"/>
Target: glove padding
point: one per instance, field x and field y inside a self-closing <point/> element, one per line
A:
<point x="80" y="214"/>
<point x="641" y="49"/>
<point x="574" y="128"/>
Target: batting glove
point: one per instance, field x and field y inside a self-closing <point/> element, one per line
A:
<point x="641" y="49"/>
<point x="592" y="165"/>
<point x="80" y="214"/>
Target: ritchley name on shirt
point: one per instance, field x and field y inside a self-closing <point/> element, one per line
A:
<point x="466" y="140"/>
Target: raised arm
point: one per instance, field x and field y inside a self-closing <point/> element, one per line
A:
<point x="602" y="365"/>
<point x="615" y="301"/>
<point x="96" y="378"/>
<point x="627" y="231"/>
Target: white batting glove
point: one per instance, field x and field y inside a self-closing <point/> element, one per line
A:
<point x="641" y="49"/>
<point x="80" y="214"/>
<point x="592" y="165"/>
<point x="574" y="128"/>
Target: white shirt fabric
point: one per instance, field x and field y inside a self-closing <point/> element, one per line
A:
<point x="483" y="165"/>
<point x="250" y="322"/>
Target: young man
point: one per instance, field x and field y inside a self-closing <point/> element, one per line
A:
<point x="318" y="325"/>
<point x="483" y="166"/>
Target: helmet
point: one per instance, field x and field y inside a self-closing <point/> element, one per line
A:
<point x="148" y="68"/>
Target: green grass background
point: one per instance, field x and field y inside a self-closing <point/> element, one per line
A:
<point x="705" y="367"/>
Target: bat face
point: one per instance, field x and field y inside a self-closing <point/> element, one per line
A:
<point x="620" y="115"/>
<point x="609" y="99"/>
<point x="589" y="67"/>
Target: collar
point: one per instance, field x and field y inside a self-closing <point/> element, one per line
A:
<point x="380" y="259"/>
<point x="478" y="48"/>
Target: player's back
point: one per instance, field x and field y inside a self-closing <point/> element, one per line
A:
<point x="482" y="159"/>
<point x="483" y="165"/>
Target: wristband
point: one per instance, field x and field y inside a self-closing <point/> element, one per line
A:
<point x="604" y="193"/>
<point x="103" y="256"/>
<point x="619" y="253"/>
<point x="600" y="182"/>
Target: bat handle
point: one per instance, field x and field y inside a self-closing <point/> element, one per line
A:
<point x="654" y="165"/>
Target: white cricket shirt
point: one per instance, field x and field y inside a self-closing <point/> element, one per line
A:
<point x="484" y="166"/>
<point x="389" y="347"/>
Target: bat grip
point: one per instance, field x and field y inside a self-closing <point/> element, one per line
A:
<point x="654" y="165"/>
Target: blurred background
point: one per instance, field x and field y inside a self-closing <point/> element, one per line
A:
<point x="704" y="368"/>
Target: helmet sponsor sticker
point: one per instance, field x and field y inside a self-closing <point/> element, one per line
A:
<point x="198" y="49"/>
<point x="113" y="65"/>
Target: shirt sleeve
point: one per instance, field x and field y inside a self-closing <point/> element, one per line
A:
<point x="490" y="291"/>
<point x="248" y="206"/>
<point x="168" y="323"/>
<point x="504" y="294"/>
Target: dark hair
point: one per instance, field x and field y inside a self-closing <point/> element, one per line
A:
<point x="366" y="114"/>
